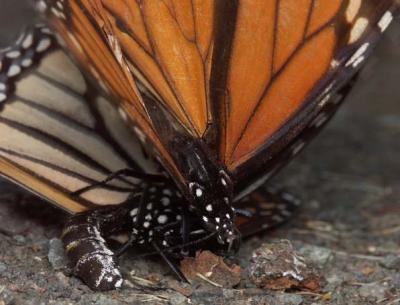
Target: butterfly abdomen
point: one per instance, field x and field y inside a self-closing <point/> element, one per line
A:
<point x="88" y="253"/>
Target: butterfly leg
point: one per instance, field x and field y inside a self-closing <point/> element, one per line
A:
<point x="126" y="172"/>
<point x="170" y="263"/>
<point x="83" y="239"/>
<point x="136" y="214"/>
<point x="153" y="220"/>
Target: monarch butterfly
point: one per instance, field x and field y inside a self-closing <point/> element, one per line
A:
<point x="221" y="93"/>
<point x="74" y="137"/>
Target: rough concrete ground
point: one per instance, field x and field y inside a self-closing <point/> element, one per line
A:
<point x="348" y="225"/>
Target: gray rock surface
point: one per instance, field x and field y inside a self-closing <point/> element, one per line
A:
<point x="348" y="225"/>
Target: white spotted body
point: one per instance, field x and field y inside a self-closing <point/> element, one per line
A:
<point x="161" y="207"/>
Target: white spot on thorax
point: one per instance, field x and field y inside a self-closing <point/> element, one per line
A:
<point x="199" y="192"/>
<point x="223" y="181"/>
<point x="165" y="201"/>
<point x="209" y="208"/>
<point x="162" y="219"/>
<point x="167" y="192"/>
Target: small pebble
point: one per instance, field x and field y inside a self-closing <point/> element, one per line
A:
<point x="56" y="255"/>
<point x="178" y="299"/>
<point x="391" y="262"/>
<point x="278" y="266"/>
<point x="290" y="299"/>
<point x="3" y="268"/>
<point x="317" y="255"/>
<point x="374" y="290"/>
<point x="21" y="240"/>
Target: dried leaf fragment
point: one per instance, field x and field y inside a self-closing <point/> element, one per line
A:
<point x="208" y="267"/>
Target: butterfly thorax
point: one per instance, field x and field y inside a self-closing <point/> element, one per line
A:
<point x="208" y="189"/>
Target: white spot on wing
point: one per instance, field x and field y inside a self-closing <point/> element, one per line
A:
<point x="320" y="119"/>
<point x="26" y="62"/>
<point x="14" y="70"/>
<point x="27" y="41"/>
<point x="41" y="6"/>
<point x="358" y="56"/>
<point x="358" y="29"/>
<point x="43" y="45"/>
<point x="13" y="54"/>
<point x="352" y="10"/>
<point x="385" y="21"/>
<point x="297" y="147"/>
<point x="3" y="97"/>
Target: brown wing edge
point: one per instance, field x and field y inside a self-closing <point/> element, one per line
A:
<point x="39" y="187"/>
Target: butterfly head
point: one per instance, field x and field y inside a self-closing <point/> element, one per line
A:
<point x="213" y="203"/>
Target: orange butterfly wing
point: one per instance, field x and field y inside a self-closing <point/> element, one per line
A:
<point x="242" y="78"/>
<point x="292" y="47"/>
<point x="101" y="58"/>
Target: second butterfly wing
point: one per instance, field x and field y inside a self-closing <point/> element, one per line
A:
<point x="58" y="133"/>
